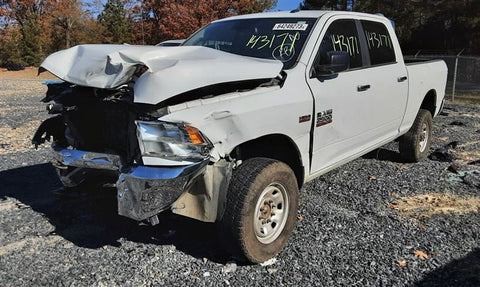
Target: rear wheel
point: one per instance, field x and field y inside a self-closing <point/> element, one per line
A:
<point x="415" y="144"/>
<point x="261" y="209"/>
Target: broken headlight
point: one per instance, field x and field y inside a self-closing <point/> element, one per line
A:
<point x="163" y="143"/>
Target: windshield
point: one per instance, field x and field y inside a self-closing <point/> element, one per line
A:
<point x="268" y="38"/>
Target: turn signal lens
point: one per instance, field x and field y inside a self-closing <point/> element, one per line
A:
<point x="194" y="135"/>
<point x="141" y="70"/>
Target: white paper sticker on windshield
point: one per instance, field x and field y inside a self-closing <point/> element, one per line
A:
<point x="291" y="26"/>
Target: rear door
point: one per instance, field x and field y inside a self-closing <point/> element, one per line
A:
<point x="389" y="76"/>
<point x="358" y="108"/>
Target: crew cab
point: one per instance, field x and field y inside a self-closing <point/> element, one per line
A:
<point x="228" y="126"/>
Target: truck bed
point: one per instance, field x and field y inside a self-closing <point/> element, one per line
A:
<point x="424" y="77"/>
<point x="409" y="61"/>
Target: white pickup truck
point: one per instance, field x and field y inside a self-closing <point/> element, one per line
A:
<point x="228" y="126"/>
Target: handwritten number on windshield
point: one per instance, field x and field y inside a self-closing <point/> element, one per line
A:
<point x="261" y="41"/>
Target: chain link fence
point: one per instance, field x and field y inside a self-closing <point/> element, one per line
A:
<point x="463" y="72"/>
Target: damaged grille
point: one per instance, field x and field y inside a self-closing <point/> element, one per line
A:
<point x="103" y="127"/>
<point x="96" y="120"/>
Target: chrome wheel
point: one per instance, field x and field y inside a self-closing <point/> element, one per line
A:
<point x="271" y="213"/>
<point x="423" y="137"/>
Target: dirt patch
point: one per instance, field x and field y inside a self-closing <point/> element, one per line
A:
<point x="426" y="205"/>
<point x="17" y="139"/>
<point x="470" y="152"/>
<point x="34" y="243"/>
<point x="467" y="156"/>
<point x="8" y="93"/>
<point x="467" y="97"/>
<point x="28" y="73"/>
<point x="7" y="206"/>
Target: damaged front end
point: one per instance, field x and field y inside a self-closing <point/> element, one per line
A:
<point x="107" y="116"/>
<point x="103" y="129"/>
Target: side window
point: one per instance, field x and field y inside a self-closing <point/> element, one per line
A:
<point x="379" y="43"/>
<point x="342" y="36"/>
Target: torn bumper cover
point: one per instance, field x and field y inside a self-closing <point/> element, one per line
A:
<point x="142" y="191"/>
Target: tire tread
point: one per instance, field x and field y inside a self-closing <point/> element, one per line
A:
<point x="231" y="227"/>
<point x="408" y="144"/>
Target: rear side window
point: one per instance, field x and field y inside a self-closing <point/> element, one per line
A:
<point x="342" y="36"/>
<point x="379" y="43"/>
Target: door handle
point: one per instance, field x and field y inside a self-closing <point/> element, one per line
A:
<point x="363" y="88"/>
<point x="402" y="79"/>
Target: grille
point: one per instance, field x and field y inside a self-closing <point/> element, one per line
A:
<point x="106" y="127"/>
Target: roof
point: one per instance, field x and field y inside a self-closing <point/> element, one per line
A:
<point x="296" y="14"/>
<point x="283" y="14"/>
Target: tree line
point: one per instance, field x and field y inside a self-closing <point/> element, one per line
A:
<point x="32" y="29"/>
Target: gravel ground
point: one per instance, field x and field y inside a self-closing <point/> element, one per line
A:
<point x="373" y="222"/>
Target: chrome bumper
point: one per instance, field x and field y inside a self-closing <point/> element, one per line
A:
<point x="85" y="159"/>
<point x="142" y="191"/>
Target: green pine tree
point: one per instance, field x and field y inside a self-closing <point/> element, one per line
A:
<point x="31" y="44"/>
<point x="115" y="21"/>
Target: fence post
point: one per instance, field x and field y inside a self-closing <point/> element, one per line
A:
<point x="455" y="75"/>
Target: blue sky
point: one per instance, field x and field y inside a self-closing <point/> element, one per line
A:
<point x="287" y="4"/>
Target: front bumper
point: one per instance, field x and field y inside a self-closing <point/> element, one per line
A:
<point x="142" y="191"/>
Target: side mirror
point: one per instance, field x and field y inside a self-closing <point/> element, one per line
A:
<point x="337" y="61"/>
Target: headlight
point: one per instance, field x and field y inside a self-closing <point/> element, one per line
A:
<point x="163" y="143"/>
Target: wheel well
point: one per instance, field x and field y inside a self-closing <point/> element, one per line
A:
<point x="275" y="146"/>
<point x="429" y="102"/>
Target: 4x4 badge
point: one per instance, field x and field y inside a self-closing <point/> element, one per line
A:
<point x="303" y="119"/>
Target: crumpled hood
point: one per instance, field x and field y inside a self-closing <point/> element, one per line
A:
<point x="171" y="70"/>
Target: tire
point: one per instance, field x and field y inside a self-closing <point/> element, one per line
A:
<point x="415" y="144"/>
<point x="261" y="209"/>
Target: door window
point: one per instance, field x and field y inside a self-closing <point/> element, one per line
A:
<point x="379" y="43"/>
<point x="342" y="36"/>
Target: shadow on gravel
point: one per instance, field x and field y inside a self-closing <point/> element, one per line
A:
<point x="88" y="216"/>
<point x="385" y="155"/>
<point x="463" y="272"/>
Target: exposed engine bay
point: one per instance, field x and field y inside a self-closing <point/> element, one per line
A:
<point x="91" y="119"/>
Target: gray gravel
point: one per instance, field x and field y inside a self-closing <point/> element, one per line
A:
<point x="346" y="234"/>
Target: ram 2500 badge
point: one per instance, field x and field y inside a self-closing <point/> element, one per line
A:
<point x="228" y="126"/>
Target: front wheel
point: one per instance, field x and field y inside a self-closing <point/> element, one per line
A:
<point x="261" y="209"/>
<point x="415" y="144"/>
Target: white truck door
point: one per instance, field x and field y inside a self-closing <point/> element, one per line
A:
<point x="357" y="108"/>
<point x="388" y="77"/>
